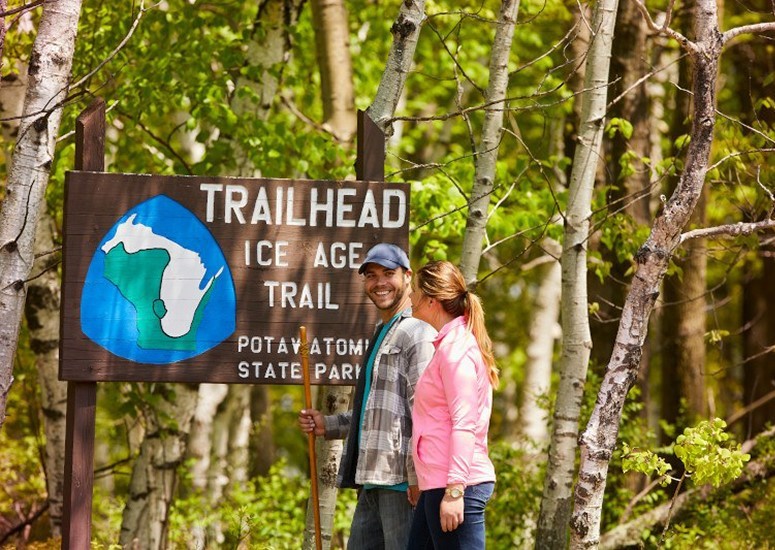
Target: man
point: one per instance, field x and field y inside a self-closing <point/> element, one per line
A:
<point x="377" y="456"/>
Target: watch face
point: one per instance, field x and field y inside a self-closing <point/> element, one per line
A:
<point x="455" y="492"/>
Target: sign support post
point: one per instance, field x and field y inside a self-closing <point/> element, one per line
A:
<point x="82" y="396"/>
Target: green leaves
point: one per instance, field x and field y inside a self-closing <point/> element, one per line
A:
<point x="619" y="125"/>
<point x="645" y="462"/>
<point x="709" y="454"/>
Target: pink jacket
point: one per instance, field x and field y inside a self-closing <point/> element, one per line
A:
<point x="451" y="413"/>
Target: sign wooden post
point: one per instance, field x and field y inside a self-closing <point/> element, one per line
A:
<point x="370" y="159"/>
<point x="82" y="396"/>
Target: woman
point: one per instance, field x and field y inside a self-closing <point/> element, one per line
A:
<point x="451" y="414"/>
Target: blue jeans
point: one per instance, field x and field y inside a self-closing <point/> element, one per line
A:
<point x="426" y="528"/>
<point x="382" y="520"/>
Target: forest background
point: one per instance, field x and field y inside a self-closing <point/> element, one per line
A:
<point x="590" y="167"/>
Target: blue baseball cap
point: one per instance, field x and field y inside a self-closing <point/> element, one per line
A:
<point x="387" y="255"/>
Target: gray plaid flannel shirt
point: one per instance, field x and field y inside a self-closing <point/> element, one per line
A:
<point x="385" y="451"/>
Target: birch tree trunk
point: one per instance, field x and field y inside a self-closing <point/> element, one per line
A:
<point x="487" y="151"/>
<point x="42" y="314"/>
<point x="154" y="474"/>
<point x="199" y="448"/>
<point x="49" y="76"/>
<point x="544" y="331"/>
<point x="406" y="30"/>
<point x="599" y="438"/>
<point x="267" y="50"/>
<point x="576" y="341"/>
<point x="331" y="400"/>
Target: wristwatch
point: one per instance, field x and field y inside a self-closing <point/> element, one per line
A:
<point x="454" y="492"/>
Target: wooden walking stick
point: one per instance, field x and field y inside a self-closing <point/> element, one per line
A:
<point x="313" y="474"/>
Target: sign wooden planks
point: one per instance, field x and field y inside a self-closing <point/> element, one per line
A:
<point x="207" y="279"/>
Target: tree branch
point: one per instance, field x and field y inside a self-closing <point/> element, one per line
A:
<point x="766" y="398"/>
<point x="23" y="8"/>
<point x="664" y="29"/>
<point x="757" y="28"/>
<point x="726" y="231"/>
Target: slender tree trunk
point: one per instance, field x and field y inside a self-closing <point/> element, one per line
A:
<point x="335" y="65"/>
<point x="406" y="30"/>
<point x="267" y="50"/>
<point x="42" y="313"/>
<point x="49" y="76"/>
<point x="232" y="429"/>
<point x="599" y="438"/>
<point x="544" y="332"/>
<point x="487" y="151"/>
<point x="330" y="400"/>
<point x="199" y="448"/>
<point x="576" y="341"/>
<point x="579" y="48"/>
<point x="154" y="474"/>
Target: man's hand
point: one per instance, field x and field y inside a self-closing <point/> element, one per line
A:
<point x="413" y="495"/>
<point x="311" y="421"/>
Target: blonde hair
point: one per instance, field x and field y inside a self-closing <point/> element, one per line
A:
<point x="443" y="281"/>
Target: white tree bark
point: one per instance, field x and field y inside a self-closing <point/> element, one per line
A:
<point x="268" y="50"/>
<point x="331" y="400"/>
<point x="599" y="438"/>
<point x="49" y="76"/>
<point x="154" y="474"/>
<point x="544" y="331"/>
<point x="199" y="449"/>
<point x="405" y="31"/>
<point x="576" y="340"/>
<point x="42" y="314"/>
<point x="487" y="151"/>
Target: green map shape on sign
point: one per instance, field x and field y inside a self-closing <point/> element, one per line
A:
<point x="138" y="277"/>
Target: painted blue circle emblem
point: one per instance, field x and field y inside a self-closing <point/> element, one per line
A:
<point x="158" y="289"/>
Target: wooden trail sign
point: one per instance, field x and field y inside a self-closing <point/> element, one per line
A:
<point x="207" y="279"/>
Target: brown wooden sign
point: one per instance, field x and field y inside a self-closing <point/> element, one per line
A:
<point x="208" y="279"/>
